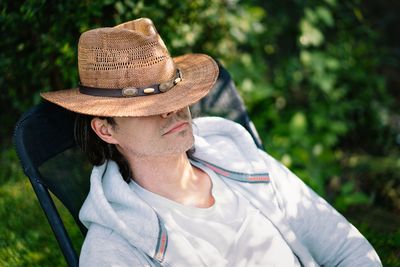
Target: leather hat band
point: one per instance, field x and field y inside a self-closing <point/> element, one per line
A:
<point x="132" y="91"/>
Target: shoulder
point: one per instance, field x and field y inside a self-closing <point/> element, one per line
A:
<point x="217" y="124"/>
<point x="219" y="131"/>
<point x="103" y="247"/>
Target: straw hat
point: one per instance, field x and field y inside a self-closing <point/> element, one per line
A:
<point x="127" y="71"/>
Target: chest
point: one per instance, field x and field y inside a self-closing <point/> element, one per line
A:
<point x="230" y="233"/>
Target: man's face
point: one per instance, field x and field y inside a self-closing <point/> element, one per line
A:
<point x="159" y="135"/>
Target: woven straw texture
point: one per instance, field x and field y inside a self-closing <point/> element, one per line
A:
<point x="133" y="55"/>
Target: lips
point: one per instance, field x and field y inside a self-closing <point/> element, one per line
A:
<point x="176" y="127"/>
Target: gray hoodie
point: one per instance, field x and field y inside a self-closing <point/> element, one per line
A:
<point x="125" y="231"/>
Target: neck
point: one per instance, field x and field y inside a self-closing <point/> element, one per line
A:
<point x="173" y="177"/>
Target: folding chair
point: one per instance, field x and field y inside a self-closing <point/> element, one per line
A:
<point x="44" y="141"/>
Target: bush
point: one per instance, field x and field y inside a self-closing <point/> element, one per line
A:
<point x="319" y="78"/>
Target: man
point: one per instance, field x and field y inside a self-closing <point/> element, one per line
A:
<point x="202" y="196"/>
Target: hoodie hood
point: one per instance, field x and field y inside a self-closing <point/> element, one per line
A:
<point x="228" y="149"/>
<point x="112" y="204"/>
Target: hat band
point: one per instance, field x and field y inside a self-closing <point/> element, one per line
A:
<point x="132" y="91"/>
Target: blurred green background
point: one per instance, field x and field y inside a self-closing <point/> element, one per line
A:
<point x="320" y="79"/>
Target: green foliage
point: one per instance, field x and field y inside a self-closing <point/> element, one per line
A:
<point x="381" y="229"/>
<point x="325" y="96"/>
<point x="319" y="78"/>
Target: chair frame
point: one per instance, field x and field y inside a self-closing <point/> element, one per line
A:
<point x="42" y="192"/>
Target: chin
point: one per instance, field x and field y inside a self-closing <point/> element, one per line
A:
<point x="180" y="147"/>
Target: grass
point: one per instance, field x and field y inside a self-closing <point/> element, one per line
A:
<point x="27" y="240"/>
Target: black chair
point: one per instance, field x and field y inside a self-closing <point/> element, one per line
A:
<point x="45" y="145"/>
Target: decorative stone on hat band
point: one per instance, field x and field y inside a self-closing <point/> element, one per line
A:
<point x="132" y="91"/>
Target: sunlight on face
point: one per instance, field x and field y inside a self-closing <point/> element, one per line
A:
<point x="155" y="136"/>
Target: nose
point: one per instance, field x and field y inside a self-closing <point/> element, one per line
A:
<point x="168" y="114"/>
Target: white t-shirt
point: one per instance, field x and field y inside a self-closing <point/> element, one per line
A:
<point x="229" y="233"/>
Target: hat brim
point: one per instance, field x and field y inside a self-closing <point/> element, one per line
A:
<point x="199" y="74"/>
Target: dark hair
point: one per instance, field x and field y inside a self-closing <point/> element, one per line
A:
<point x="99" y="151"/>
<point x="96" y="149"/>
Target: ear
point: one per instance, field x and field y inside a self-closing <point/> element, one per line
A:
<point x="103" y="130"/>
